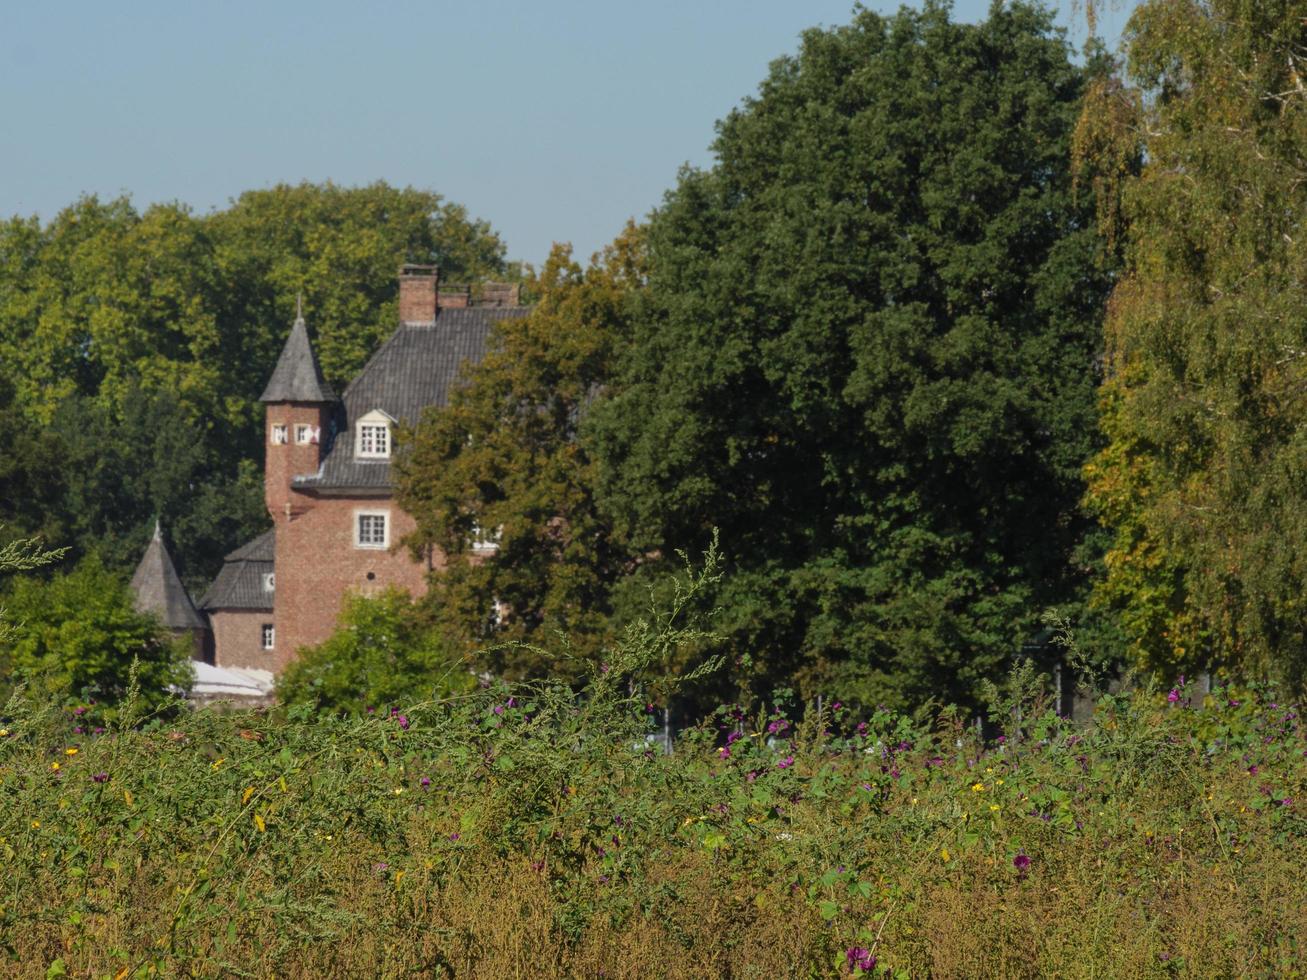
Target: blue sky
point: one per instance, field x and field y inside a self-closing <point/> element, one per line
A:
<point x="553" y="121"/>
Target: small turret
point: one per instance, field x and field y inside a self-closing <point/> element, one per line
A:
<point x="299" y="404"/>
<point x="158" y="590"/>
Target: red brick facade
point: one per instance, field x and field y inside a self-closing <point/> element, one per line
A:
<point x="238" y="639"/>
<point x="319" y="562"/>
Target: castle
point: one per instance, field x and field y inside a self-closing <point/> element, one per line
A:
<point x="328" y="488"/>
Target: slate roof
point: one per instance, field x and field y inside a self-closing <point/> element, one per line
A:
<point x="297" y="376"/>
<point x="239" y="584"/>
<point x="418" y="366"/>
<point x="158" y="589"/>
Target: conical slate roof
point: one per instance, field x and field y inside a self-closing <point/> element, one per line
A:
<point x="297" y="376"/>
<point x="159" y="590"/>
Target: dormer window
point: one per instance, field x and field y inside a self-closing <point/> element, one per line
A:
<point x="269" y="581"/>
<point x="372" y="436"/>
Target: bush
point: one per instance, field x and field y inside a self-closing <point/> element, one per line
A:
<point x="381" y="654"/>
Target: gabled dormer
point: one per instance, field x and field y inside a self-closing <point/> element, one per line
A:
<point x="299" y="405"/>
<point x="374" y="436"/>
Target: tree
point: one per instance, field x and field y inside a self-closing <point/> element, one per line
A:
<point x="381" y="654"/>
<point x="505" y="456"/>
<point x="867" y="353"/>
<point x="78" y="633"/>
<point x="1204" y="476"/>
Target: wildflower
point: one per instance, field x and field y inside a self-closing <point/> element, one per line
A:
<point x="978" y="788"/>
<point x="424" y="782"/>
<point x="498" y="709"/>
<point x="1287" y="801"/>
<point x="454" y="836"/>
<point x="402" y="720"/>
<point x="79" y="711"/>
<point x="101" y="777"/>
<point x="36" y="824"/>
<point x="943" y="854"/>
<point x="860" y="959"/>
<point x="381" y="867"/>
<point x="4" y="733"/>
<point x="511" y="703"/>
<point x="994" y="807"/>
<point x="724" y="752"/>
<point x="786" y="762"/>
<point x="70" y="751"/>
<point x="732" y="738"/>
<point x="1173" y="696"/>
<point x="216" y="763"/>
<point x="1022" y="863"/>
<point x="54" y="766"/>
<point x="97" y="730"/>
<point x="79" y="730"/>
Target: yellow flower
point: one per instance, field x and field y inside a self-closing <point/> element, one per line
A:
<point x="54" y="766"/>
<point x="36" y="823"/>
<point x="3" y="732"/>
<point x="70" y="751"/>
<point x="245" y="797"/>
<point x="217" y="763"/>
<point x="994" y="806"/>
<point x="978" y="788"/>
<point x="943" y="853"/>
<point x="258" y="822"/>
<point x="998" y="782"/>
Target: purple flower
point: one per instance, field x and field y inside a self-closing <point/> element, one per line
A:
<point x="1001" y="739"/>
<point x="751" y="775"/>
<point x="786" y="762"/>
<point x="498" y="709"/>
<point x="78" y="730"/>
<point x="859" y="959"/>
<point x="381" y="867"/>
<point x="402" y="720"/>
<point x="79" y="712"/>
<point x="371" y="710"/>
<point x="732" y="738"/>
<point x="1174" y="696"/>
<point x="1287" y="801"/>
<point x="1022" y="863"/>
<point x="454" y="835"/>
<point x="101" y="777"/>
<point x="862" y="728"/>
<point x="98" y="730"/>
<point x="511" y="702"/>
<point x="836" y="706"/>
<point x="424" y="782"/>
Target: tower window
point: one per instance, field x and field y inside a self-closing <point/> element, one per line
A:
<point x="304" y="435"/>
<point x="277" y="435"/>
<point x="269" y="636"/>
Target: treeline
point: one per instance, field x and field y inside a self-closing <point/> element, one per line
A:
<point x="960" y="337"/>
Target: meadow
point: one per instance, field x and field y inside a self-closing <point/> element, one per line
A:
<point x="532" y="832"/>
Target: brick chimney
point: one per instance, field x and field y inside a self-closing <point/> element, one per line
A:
<point x="417" y="293"/>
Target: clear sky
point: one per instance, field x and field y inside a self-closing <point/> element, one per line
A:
<point x="552" y="121"/>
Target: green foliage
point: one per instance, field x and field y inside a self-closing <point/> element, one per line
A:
<point x="1202" y="482"/>
<point x="526" y="831"/>
<point x="866" y="352"/>
<point x="77" y="636"/>
<point x="505" y="455"/>
<point x="380" y="655"/>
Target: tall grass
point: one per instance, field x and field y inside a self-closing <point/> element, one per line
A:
<point x="532" y="832"/>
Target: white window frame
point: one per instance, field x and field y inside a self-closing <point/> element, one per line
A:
<point x="385" y="528"/>
<point x="303" y="434"/>
<point x="269" y="581"/>
<point x="278" y="434"/>
<point x="378" y="428"/>
<point x="484" y="543"/>
<point x="268" y="636"/>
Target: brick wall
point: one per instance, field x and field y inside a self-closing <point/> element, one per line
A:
<point x="281" y="462"/>
<point x="318" y="563"/>
<point x="238" y="638"/>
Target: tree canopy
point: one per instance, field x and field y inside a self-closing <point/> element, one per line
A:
<point x="867" y="353"/>
<point x="1204" y="477"/>
<point x="505" y="456"/>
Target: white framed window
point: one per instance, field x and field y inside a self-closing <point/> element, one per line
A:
<point x="305" y="434"/>
<point x="269" y="581"/>
<point x="371" y="529"/>
<point x="483" y="541"/>
<point x="277" y="435"/>
<point x="372" y="436"/>
<point x="269" y="636"/>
